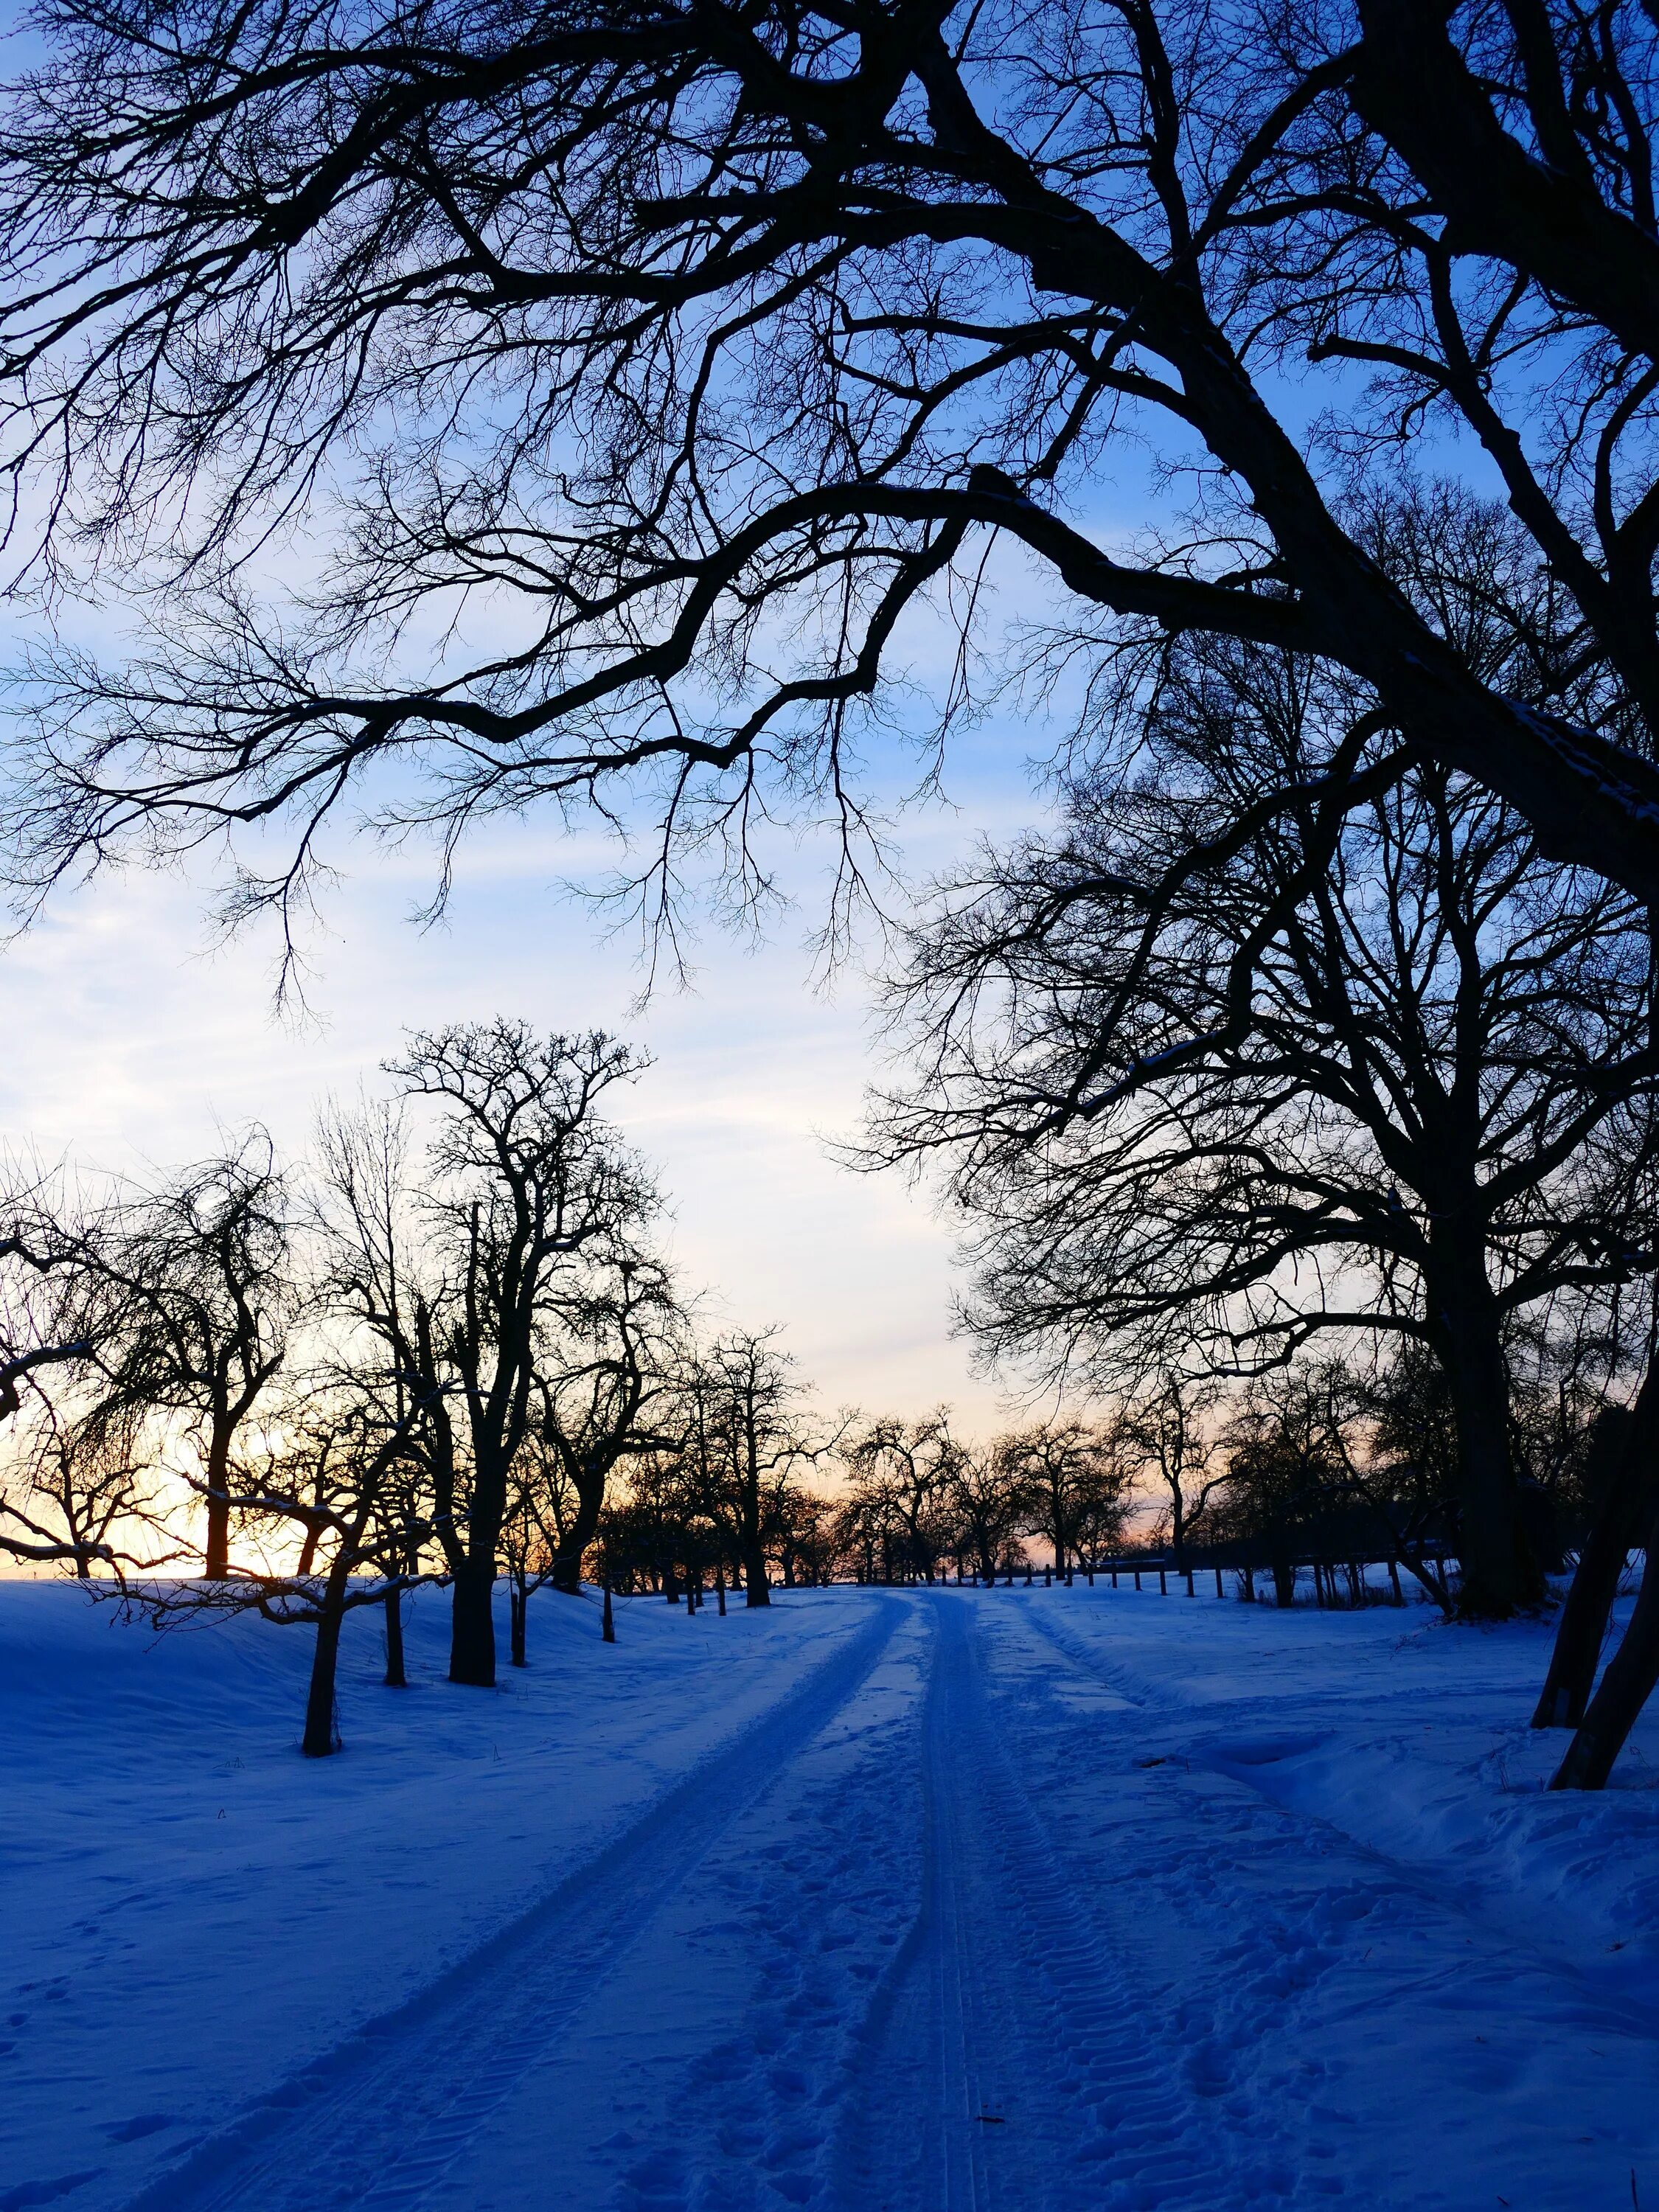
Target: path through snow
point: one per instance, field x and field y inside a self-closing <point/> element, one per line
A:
<point x="894" y="1902"/>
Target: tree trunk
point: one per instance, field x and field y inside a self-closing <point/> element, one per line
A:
<point x="1625" y="1687"/>
<point x="1625" y="1506"/>
<point x="216" y="1556"/>
<point x="472" y="1627"/>
<point x="322" y="1735"/>
<point x="607" y="1622"/>
<point x="567" y="1574"/>
<point x="756" y="1590"/>
<point x="1284" y="1574"/>
<point x="518" y="1607"/>
<point x="396" y="1679"/>
<point x="1500" y="1571"/>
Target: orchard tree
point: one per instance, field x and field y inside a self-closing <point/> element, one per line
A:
<point x="748" y="1432"/>
<point x="464" y="1278"/>
<point x="185" y="1291"/>
<point x="606" y="1382"/>
<point x="988" y="1505"/>
<point x="77" y="1488"/>
<point x="901" y="1475"/>
<point x="1164" y="1437"/>
<point x="1068" y="1473"/>
<point x="324" y="1476"/>
<point x="56" y="1495"/>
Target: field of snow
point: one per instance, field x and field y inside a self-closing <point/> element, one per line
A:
<point x="1019" y="1898"/>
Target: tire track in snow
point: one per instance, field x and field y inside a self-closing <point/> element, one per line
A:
<point x="1003" y="2004"/>
<point x="377" y="2122"/>
<point x="1141" y="1696"/>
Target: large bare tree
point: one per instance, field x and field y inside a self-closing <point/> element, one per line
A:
<point x="705" y="344"/>
<point x="1210" y="1075"/>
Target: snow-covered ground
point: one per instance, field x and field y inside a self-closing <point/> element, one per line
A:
<point x="1022" y="1898"/>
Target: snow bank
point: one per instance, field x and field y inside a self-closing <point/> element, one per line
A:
<point x="1409" y="1735"/>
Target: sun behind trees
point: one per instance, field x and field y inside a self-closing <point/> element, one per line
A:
<point x="429" y="1351"/>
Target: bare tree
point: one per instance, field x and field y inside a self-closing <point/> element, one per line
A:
<point x="608" y="1383"/>
<point x="607" y="1386"/>
<point x="52" y="1502"/>
<point x="1214" y="1078"/>
<point x="461" y="1279"/>
<point x="869" y="1535"/>
<point x="774" y="325"/>
<point x="324" y="1476"/>
<point x="1067" y="1471"/>
<point x="185" y="1294"/>
<point x="804" y="1531"/>
<point x="988" y="1503"/>
<point x="536" y="1529"/>
<point x="1283" y="1469"/>
<point x="748" y="1430"/>
<point x="79" y="1488"/>
<point x="901" y="1473"/>
<point x="1164" y="1436"/>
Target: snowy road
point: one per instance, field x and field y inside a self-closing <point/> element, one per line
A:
<point x="1012" y="1898"/>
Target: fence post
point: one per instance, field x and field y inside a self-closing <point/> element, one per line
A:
<point x="1162" y="1584"/>
<point x="1217" y="1581"/>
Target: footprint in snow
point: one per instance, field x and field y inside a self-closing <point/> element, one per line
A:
<point x="141" y="2124"/>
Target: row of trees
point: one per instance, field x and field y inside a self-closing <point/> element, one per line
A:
<point x="411" y="1364"/>
<point x="1227" y="1082"/>
<point x="321" y="1392"/>
<point x="1325" y="1464"/>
